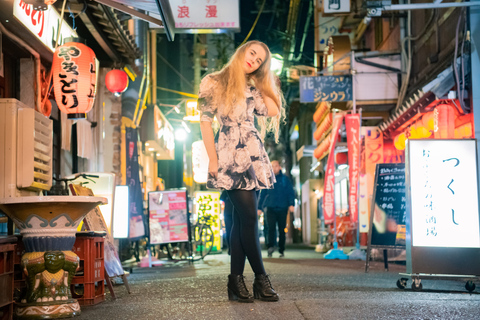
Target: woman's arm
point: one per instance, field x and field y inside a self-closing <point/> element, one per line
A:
<point x="209" y="141"/>
<point x="272" y="107"/>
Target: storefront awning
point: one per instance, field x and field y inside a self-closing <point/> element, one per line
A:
<point x="142" y="9"/>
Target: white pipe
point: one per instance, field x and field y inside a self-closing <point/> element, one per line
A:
<point x="34" y="53"/>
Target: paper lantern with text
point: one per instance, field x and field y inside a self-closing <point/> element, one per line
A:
<point x="116" y="81"/>
<point x="444" y="120"/>
<point x="74" y="78"/>
<point x="341" y="158"/>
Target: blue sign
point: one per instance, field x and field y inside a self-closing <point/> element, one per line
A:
<point x="326" y="88"/>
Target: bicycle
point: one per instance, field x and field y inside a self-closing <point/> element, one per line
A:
<point x="200" y="242"/>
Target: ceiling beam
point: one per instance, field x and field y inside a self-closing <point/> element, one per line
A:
<point x="131" y="11"/>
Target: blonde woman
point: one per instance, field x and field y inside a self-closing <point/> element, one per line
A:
<point x="239" y="163"/>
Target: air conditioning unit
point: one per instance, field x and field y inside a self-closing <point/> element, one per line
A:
<point x="25" y="150"/>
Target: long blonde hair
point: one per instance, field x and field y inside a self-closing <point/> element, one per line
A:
<point x="229" y="91"/>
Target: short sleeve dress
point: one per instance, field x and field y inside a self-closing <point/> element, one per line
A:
<point x="243" y="162"/>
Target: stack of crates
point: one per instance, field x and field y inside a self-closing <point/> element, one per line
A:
<point x="88" y="284"/>
<point x="7" y="253"/>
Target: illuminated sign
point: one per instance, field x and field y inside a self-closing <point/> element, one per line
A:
<point x="168" y="216"/>
<point x="208" y="203"/>
<point x="120" y="212"/>
<point x="199" y="162"/>
<point x="43" y="24"/>
<point x="206" y="14"/>
<point x="191" y="111"/>
<point x="444" y="193"/>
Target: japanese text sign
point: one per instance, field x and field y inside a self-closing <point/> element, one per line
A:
<point x="352" y="124"/>
<point x="444" y="193"/>
<point x="208" y="203"/>
<point x="206" y="14"/>
<point x="325" y="88"/>
<point x="43" y="24"/>
<point x="168" y="216"/>
<point x="329" y="188"/>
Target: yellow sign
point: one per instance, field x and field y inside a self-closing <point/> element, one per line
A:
<point x="208" y="203"/>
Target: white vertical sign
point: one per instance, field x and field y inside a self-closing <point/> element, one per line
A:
<point x="335" y="6"/>
<point x="444" y="198"/>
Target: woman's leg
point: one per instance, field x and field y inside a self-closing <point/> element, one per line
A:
<point x="244" y="237"/>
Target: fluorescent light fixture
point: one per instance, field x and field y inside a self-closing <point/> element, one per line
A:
<point x="276" y="64"/>
<point x="151" y="149"/>
<point x="184" y="124"/>
<point x="120" y="212"/>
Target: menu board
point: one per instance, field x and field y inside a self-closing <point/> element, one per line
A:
<point x="388" y="215"/>
<point x="168" y="216"/>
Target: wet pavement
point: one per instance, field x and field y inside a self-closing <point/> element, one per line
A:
<point x="310" y="287"/>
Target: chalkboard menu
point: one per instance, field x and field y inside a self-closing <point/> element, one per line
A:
<point x="388" y="210"/>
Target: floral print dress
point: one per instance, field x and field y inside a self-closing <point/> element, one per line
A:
<point x="243" y="162"/>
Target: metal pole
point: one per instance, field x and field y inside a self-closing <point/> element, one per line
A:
<point x="352" y="72"/>
<point x="358" y="181"/>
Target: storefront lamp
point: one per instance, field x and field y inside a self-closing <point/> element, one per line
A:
<point x="40" y="5"/>
<point x="180" y="134"/>
<point x="74" y="78"/>
<point x="116" y="81"/>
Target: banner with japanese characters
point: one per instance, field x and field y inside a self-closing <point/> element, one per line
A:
<point x="206" y="14"/>
<point x="443" y="193"/>
<point x="352" y="124"/>
<point x="208" y="203"/>
<point x="168" y="216"/>
<point x="329" y="188"/>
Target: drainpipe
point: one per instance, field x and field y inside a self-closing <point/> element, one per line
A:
<point x="38" y="98"/>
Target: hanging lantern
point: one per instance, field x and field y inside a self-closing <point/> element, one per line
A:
<point x="444" y="122"/>
<point x="341" y="158"/>
<point x="428" y="121"/>
<point x="422" y="132"/>
<point x="399" y="141"/>
<point x="74" y="78"/>
<point x="116" y="81"/>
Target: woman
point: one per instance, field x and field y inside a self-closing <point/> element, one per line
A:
<point x="238" y="161"/>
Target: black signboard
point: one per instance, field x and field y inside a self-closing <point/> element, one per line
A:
<point x="388" y="210"/>
<point x="326" y="88"/>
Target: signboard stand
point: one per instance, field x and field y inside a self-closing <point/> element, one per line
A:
<point x="443" y="222"/>
<point x="388" y="209"/>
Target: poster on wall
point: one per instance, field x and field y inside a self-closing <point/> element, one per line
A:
<point x="208" y="203"/>
<point x="443" y="193"/>
<point x="167" y="212"/>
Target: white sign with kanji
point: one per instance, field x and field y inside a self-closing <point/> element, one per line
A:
<point x="444" y="193"/>
<point x="206" y="14"/>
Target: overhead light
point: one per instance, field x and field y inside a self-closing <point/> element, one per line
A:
<point x="147" y="144"/>
<point x="177" y="110"/>
<point x="151" y="149"/>
<point x="342" y="166"/>
<point x="276" y="64"/>
<point x="180" y="134"/>
<point x="184" y="124"/>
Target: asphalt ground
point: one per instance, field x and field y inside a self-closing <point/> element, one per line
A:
<point x="309" y="286"/>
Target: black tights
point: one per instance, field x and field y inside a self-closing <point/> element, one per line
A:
<point x="244" y="240"/>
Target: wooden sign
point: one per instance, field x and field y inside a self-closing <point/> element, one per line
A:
<point x="326" y="88"/>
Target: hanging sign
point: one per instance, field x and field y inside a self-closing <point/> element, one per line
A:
<point x="336" y="6"/>
<point x="352" y="124"/>
<point x="43" y="24"/>
<point x="329" y="188"/>
<point x="325" y="88"/>
<point x="207" y="15"/>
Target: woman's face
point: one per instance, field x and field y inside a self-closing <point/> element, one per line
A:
<point x="254" y="57"/>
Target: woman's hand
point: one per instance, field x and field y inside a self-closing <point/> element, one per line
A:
<point x="213" y="169"/>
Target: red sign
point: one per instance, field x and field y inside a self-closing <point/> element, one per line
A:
<point x="352" y="124"/>
<point x="329" y="188"/>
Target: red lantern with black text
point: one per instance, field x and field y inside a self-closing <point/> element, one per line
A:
<point x="74" y="78"/>
<point x="116" y="81"/>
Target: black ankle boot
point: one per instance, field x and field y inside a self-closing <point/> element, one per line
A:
<point x="262" y="288"/>
<point x="237" y="289"/>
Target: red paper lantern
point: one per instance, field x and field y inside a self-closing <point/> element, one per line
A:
<point x="444" y="119"/>
<point x="74" y="78"/>
<point x="116" y="81"/>
<point x="341" y="158"/>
